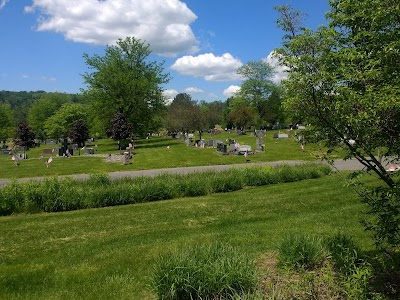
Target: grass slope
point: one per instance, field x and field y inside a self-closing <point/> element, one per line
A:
<point x="108" y="253"/>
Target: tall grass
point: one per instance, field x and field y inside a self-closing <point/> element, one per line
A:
<point x="216" y="271"/>
<point x="301" y="252"/>
<point x="53" y="194"/>
<point x="308" y="253"/>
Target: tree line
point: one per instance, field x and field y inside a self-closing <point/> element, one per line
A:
<point x="124" y="85"/>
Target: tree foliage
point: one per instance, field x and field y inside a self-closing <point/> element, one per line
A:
<point x="120" y="127"/>
<point x="343" y="79"/>
<point x="79" y="132"/>
<point x="241" y="113"/>
<point x="124" y="80"/>
<point x="183" y="114"/>
<point x="7" y="126"/>
<point x="24" y="135"/>
<point x="212" y="113"/>
<point x="20" y="103"/>
<point x="43" y="108"/>
<point x="258" y="88"/>
<point x="59" y="125"/>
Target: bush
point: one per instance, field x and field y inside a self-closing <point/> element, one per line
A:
<point x="216" y="271"/>
<point x="301" y="252"/>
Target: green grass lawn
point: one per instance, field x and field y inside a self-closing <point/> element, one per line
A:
<point x="108" y="253"/>
<point x="153" y="154"/>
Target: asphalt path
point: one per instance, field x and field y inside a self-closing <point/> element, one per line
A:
<point x="339" y="165"/>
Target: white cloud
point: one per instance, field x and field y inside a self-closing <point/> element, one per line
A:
<point x="25" y="76"/>
<point x="209" y="66"/>
<point x="170" y="95"/>
<point x="3" y="3"/>
<point x="193" y="90"/>
<point x="164" y="24"/>
<point x="280" y="71"/>
<point x="232" y="90"/>
<point x="47" y="78"/>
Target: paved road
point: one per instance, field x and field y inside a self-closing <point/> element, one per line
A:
<point x="339" y="165"/>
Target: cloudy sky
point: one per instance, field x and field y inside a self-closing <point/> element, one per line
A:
<point x="203" y="42"/>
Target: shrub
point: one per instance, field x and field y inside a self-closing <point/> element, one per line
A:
<point x="344" y="253"/>
<point x="301" y="252"/>
<point x="216" y="271"/>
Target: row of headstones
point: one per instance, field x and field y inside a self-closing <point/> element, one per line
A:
<point x="60" y="151"/>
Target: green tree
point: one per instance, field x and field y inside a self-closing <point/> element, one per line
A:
<point x="343" y="80"/>
<point x="183" y="114"/>
<point x="241" y="113"/>
<point x="212" y="113"/>
<point x="7" y="126"/>
<point x="125" y="81"/>
<point x="258" y="88"/>
<point x="43" y="108"/>
<point x="60" y="123"/>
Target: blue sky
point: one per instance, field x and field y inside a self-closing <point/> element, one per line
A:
<point x="202" y="42"/>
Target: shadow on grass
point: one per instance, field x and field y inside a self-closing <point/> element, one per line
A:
<point x="386" y="277"/>
<point x="163" y="143"/>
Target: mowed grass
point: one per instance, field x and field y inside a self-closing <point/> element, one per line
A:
<point x="153" y="154"/>
<point x="109" y="253"/>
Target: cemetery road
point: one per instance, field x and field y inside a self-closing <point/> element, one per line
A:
<point x="338" y="165"/>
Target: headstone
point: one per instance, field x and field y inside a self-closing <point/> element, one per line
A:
<point x="187" y="142"/>
<point x="89" y="151"/>
<point x="126" y="158"/>
<point x="260" y="144"/>
<point x="51" y="142"/>
<point x="210" y="143"/>
<point x="232" y="148"/>
<point x="281" y="135"/>
<point x="301" y="127"/>
<point x="244" y="149"/>
<point x="260" y="133"/>
<point x="222" y="148"/>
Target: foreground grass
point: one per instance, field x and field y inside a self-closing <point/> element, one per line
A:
<point x="153" y="154"/>
<point x="109" y="253"/>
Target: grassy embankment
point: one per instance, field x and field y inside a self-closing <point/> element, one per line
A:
<point x="108" y="253"/>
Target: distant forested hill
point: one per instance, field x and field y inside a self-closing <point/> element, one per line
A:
<point x="21" y="101"/>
